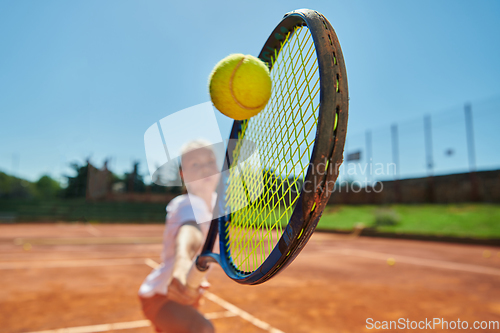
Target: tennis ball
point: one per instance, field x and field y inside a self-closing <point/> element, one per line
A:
<point x="240" y="86"/>
<point x="391" y="261"/>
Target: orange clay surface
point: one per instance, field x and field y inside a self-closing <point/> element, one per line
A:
<point x="334" y="285"/>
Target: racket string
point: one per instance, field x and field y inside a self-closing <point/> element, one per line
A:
<point x="262" y="229"/>
<point x="283" y="135"/>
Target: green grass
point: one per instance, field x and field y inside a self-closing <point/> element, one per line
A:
<point x="460" y="220"/>
<point x="262" y="217"/>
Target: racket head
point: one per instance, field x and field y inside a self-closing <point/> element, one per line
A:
<point x="282" y="164"/>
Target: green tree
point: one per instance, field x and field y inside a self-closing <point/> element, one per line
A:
<point x="77" y="185"/>
<point x="134" y="181"/>
<point x="46" y="187"/>
<point x="13" y="187"/>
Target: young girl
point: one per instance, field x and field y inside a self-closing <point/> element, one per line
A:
<point x="166" y="300"/>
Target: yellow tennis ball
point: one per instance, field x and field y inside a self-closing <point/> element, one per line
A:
<point x="240" y="86"/>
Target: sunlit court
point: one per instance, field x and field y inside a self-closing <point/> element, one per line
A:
<point x="75" y="277"/>
<point x="249" y="166"/>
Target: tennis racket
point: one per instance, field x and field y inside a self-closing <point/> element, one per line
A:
<point x="268" y="206"/>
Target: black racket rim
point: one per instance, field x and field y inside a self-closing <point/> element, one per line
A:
<point x="328" y="146"/>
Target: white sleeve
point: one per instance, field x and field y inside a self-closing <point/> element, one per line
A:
<point x="184" y="214"/>
<point x="187" y="208"/>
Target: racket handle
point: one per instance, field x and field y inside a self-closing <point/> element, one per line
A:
<point x="194" y="277"/>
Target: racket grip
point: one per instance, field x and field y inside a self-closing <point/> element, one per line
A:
<point x="194" y="276"/>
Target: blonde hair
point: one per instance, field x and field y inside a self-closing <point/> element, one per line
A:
<point x="193" y="145"/>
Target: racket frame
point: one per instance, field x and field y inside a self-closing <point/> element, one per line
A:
<point x="328" y="146"/>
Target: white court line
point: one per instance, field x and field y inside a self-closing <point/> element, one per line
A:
<point x="70" y="263"/>
<point x="217" y="315"/>
<point x="88" y="240"/>
<point x="125" y="325"/>
<point x="92" y="230"/>
<point x="230" y="307"/>
<point x="151" y="263"/>
<point x="239" y="312"/>
<point x="100" y="328"/>
<point x="417" y="261"/>
<point x="47" y="257"/>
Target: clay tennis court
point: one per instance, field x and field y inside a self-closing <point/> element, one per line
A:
<point x="84" y="278"/>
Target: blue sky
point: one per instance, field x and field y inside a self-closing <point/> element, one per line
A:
<point x="87" y="78"/>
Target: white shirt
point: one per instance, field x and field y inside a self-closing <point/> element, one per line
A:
<point x="182" y="209"/>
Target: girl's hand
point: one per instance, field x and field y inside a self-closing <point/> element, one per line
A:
<point x="180" y="293"/>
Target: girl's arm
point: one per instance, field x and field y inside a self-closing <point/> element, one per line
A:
<point x="187" y="243"/>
